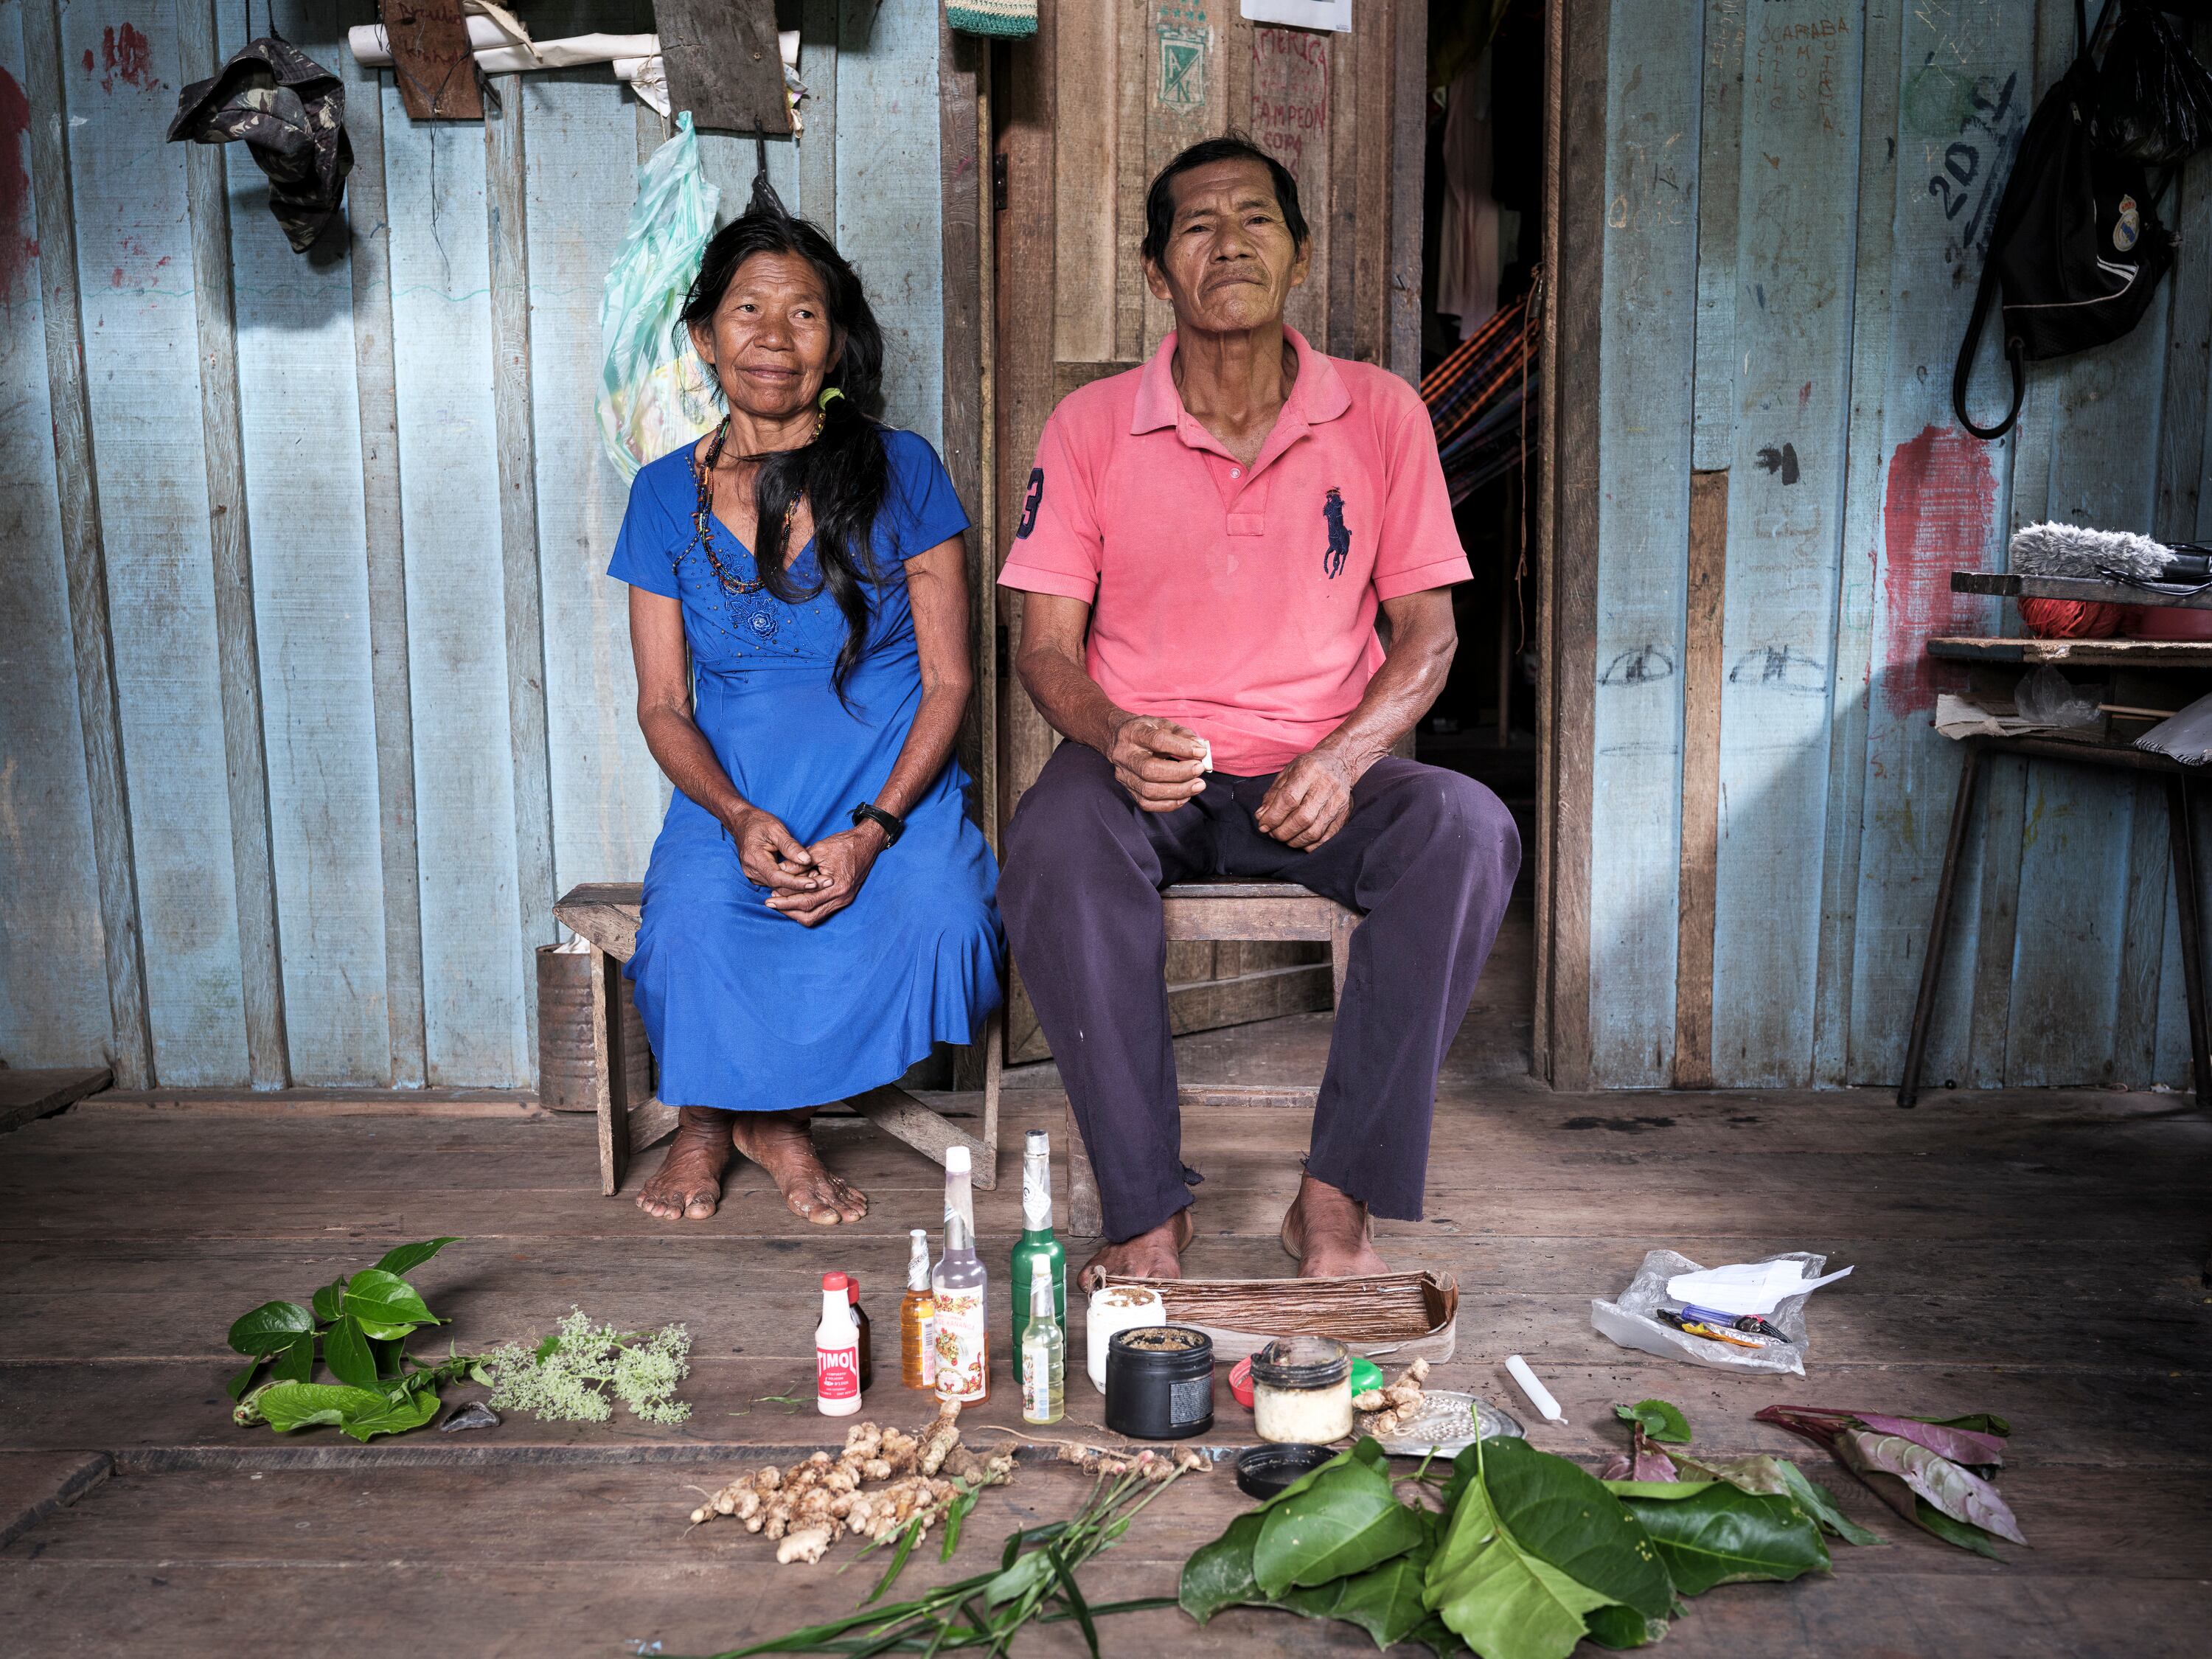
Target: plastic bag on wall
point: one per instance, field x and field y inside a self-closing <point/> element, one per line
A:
<point x="655" y="394"/>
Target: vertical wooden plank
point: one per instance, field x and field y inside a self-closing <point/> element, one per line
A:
<point x="450" y="503"/>
<point x="603" y="782"/>
<point x="888" y="201"/>
<point x="1964" y="95"/>
<point x="1087" y="247"/>
<point x="53" y="991"/>
<point x="1340" y="208"/>
<point x="302" y="456"/>
<point x="514" y="434"/>
<point x="1642" y="529"/>
<point x="1374" y="33"/>
<point x="1797" y="215"/>
<point x="1132" y="178"/>
<point x="1720" y="153"/>
<point x="135" y="274"/>
<point x="1186" y="98"/>
<point x="1702" y="670"/>
<point x="1287" y="78"/>
<point x="2075" y="872"/>
<point x="817" y="145"/>
<point x="385" y="573"/>
<point x="1872" y="305"/>
<point x="1408" y="129"/>
<point x="1578" y="157"/>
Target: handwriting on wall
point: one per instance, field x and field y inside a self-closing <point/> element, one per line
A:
<point x="1290" y="93"/>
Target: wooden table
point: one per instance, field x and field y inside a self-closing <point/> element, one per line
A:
<point x="2103" y="752"/>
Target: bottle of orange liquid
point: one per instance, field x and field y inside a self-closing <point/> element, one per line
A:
<point x="918" y="1319"/>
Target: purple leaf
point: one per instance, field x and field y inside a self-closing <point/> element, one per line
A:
<point x="1960" y="1445"/>
<point x="1960" y="1493"/>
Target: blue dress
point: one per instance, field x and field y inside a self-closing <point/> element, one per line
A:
<point x="745" y="1009"/>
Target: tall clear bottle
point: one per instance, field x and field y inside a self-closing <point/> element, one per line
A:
<point x="1044" y="1358"/>
<point x="959" y="1287"/>
<point x="918" y="1319"/>
<point x="1038" y="1251"/>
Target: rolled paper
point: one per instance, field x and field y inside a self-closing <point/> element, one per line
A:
<point x="1538" y="1395"/>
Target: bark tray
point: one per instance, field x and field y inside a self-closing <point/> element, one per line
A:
<point x="1387" y="1316"/>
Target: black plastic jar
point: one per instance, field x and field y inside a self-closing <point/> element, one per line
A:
<point x="1159" y="1382"/>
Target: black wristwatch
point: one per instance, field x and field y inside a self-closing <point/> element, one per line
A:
<point x="893" y="827"/>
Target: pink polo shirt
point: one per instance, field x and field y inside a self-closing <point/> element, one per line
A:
<point x="1239" y="601"/>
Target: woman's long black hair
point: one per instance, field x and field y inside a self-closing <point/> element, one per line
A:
<point x="844" y="473"/>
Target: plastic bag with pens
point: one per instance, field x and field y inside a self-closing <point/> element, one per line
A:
<point x="1650" y="1315"/>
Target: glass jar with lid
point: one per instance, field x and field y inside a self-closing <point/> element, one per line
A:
<point x="1302" y="1390"/>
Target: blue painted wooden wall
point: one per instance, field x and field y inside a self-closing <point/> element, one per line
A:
<point x="1798" y="196"/>
<point x="330" y="866"/>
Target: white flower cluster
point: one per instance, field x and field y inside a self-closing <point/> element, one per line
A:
<point x="569" y="1376"/>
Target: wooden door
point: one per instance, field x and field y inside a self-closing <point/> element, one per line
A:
<point x="1087" y="114"/>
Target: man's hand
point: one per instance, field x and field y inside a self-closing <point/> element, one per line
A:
<point x="771" y="856"/>
<point x="843" y="861"/>
<point x="1161" y="765"/>
<point x="1308" y="801"/>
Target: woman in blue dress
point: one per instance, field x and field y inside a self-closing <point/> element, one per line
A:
<point x="818" y="909"/>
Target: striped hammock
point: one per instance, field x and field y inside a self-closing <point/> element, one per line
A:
<point x="1475" y="397"/>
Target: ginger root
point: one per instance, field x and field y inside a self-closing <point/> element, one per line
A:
<point x="1395" y="1407"/>
<point x="808" y="1546"/>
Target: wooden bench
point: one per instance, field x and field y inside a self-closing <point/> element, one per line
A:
<point x="605" y="914"/>
<point x="1231" y="907"/>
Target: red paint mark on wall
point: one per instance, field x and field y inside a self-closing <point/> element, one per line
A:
<point x="1935" y="518"/>
<point x="127" y="56"/>
<point x="16" y="250"/>
<point x="88" y="60"/>
<point x="1289" y="93"/>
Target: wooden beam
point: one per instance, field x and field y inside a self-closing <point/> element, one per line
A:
<point x="1409" y="138"/>
<point x="83" y="550"/>
<point x="505" y="199"/>
<point x="723" y="63"/>
<point x="431" y="63"/>
<point x="34" y="1092"/>
<point x="245" y="758"/>
<point x="385" y="551"/>
<point x="1702" y="676"/>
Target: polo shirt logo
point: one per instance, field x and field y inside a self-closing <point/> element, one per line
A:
<point x="1340" y="539"/>
<point x="1030" y="502"/>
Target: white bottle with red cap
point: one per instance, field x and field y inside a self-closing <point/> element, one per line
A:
<point x="836" y="1352"/>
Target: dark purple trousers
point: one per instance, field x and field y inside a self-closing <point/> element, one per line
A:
<point x="1428" y="857"/>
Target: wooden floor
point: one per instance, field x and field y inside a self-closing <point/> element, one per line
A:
<point x="2033" y="1255"/>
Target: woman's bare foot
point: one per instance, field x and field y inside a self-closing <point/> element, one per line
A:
<point x="1154" y="1255"/>
<point x="781" y="1143"/>
<point x="687" y="1185"/>
<point x="1327" y="1232"/>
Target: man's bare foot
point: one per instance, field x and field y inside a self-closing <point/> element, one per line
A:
<point x="781" y="1143"/>
<point x="1327" y="1232"/>
<point x="687" y="1185"/>
<point x="1154" y="1255"/>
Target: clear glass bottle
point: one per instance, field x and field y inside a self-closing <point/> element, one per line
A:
<point x="959" y="1287"/>
<point x="1044" y="1358"/>
<point x="1038" y="1251"/>
<point x="918" y="1318"/>
<point x="867" y="1334"/>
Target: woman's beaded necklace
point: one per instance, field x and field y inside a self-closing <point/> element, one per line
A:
<point x="702" y="521"/>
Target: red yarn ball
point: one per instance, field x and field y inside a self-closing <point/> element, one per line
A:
<point x="2071" y="619"/>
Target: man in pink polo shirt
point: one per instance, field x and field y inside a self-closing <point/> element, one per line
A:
<point x="1203" y="548"/>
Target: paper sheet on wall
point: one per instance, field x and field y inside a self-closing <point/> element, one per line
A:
<point x="1335" y="14"/>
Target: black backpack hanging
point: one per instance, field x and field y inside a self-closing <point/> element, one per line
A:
<point x="2076" y="250"/>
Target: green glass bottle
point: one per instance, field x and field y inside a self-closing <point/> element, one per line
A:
<point x="1037" y="1250"/>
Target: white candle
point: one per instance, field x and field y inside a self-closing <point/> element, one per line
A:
<point x="1538" y="1395"/>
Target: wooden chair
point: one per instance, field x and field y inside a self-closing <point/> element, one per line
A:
<point x="1240" y="908"/>
<point x="605" y="915"/>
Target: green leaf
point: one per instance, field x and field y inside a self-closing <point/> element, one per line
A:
<point x="388" y="1357"/>
<point x="297" y="1362"/>
<point x="1664" y="1490"/>
<point x="1974" y="1422"/>
<point x="547" y="1349"/>
<point x="954" y="1513"/>
<point x="1965" y="1533"/>
<point x="1725" y="1535"/>
<point x="1566" y="1517"/>
<point x="347" y="1353"/>
<point x="1817" y="1501"/>
<point x="1661" y="1420"/>
<point x="1507" y="1602"/>
<point x="238" y="1385"/>
<point x="385" y="1304"/>
<point x="289" y="1405"/>
<point x="1347" y="1521"/>
<point x="1219" y="1575"/>
<point x="270" y="1327"/>
<point x="908" y="1539"/>
<point x="330" y="1301"/>
<point x="392" y="1416"/>
<point x="1619" y="1626"/>
<point x="405" y="1258"/>
<point x="1386" y="1600"/>
<point x="1029" y="1572"/>
<point x="1073" y="1597"/>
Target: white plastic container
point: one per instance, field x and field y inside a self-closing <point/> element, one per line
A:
<point x="1116" y="1307"/>
<point x="836" y="1350"/>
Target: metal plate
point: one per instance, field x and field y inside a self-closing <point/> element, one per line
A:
<point x="1449" y="1422"/>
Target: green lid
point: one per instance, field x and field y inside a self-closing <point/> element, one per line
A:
<point x="1365" y="1374"/>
